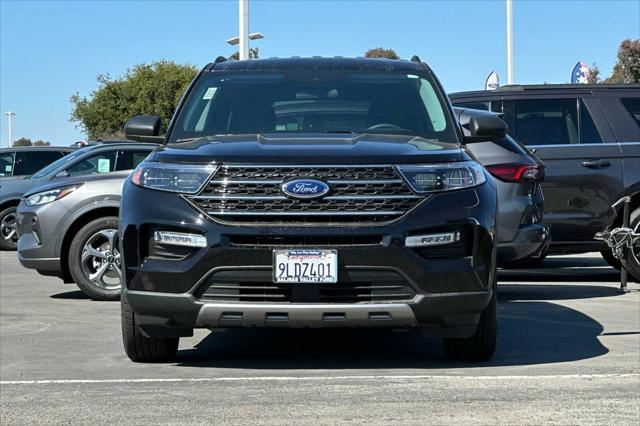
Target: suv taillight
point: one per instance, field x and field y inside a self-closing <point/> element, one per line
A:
<point x="514" y="172"/>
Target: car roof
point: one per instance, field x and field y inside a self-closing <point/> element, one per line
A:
<point x="545" y="88"/>
<point x="38" y="148"/>
<point x="314" y="63"/>
<point x="119" y="144"/>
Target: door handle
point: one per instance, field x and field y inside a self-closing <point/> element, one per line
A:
<point x="596" y="164"/>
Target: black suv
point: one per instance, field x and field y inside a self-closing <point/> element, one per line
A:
<point x="311" y="193"/>
<point x="25" y="161"/>
<point x="589" y="139"/>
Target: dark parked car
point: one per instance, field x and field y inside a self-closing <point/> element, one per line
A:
<point x="589" y="139"/>
<point x="522" y="236"/>
<point x="103" y="158"/>
<point x="311" y="192"/>
<point x="25" y="161"/>
<point x="69" y="227"/>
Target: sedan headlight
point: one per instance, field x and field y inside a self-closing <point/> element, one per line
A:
<point x="45" y="197"/>
<point x="170" y="177"/>
<point x="425" y="178"/>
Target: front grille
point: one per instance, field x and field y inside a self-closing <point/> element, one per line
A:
<point x="251" y="194"/>
<point x="355" y="286"/>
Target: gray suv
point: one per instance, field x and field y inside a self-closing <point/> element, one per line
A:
<point x="68" y="226"/>
<point x="589" y="139"/>
<point x="100" y="158"/>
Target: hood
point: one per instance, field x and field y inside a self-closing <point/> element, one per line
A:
<point x="310" y="149"/>
<point x="75" y="180"/>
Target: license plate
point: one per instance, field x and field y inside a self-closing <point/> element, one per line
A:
<point x="305" y="266"/>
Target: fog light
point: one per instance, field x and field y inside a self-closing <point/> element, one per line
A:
<point x="432" y="239"/>
<point x="179" y="239"/>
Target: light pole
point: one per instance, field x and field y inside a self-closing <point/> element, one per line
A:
<point x="510" y="41"/>
<point x="243" y="28"/>
<point x="10" y="115"/>
<point x="253" y="36"/>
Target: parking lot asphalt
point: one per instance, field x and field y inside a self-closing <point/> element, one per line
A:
<point x="568" y="352"/>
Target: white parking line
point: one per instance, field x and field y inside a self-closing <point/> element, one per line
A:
<point x="316" y="378"/>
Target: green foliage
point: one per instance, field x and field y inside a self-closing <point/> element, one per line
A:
<point x="627" y="67"/>
<point x="28" y="142"/>
<point x="381" y="52"/>
<point x="153" y="88"/>
<point x="23" y="142"/>
<point x="594" y="74"/>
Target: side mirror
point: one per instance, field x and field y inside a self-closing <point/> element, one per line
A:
<point x="480" y="126"/>
<point x="144" y="128"/>
<point x="62" y="174"/>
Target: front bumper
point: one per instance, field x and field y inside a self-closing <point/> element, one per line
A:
<point x="448" y="290"/>
<point x="38" y="228"/>
<point x="175" y="315"/>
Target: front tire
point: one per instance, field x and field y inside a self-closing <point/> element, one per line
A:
<point x="613" y="261"/>
<point x="632" y="263"/>
<point x="8" y="234"/>
<point x="140" y="348"/>
<point x="94" y="259"/>
<point x="481" y="345"/>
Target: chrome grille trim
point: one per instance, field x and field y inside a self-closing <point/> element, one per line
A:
<point x="233" y="197"/>
<point x="305" y="213"/>
<point x="329" y="198"/>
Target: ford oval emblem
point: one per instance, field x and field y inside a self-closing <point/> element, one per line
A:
<point x="305" y="188"/>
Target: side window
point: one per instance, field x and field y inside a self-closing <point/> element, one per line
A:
<point x="588" y="131"/>
<point x="129" y="159"/>
<point x="103" y="162"/>
<point x="543" y="121"/>
<point x="6" y="164"/>
<point x="633" y="106"/>
<point x="33" y="161"/>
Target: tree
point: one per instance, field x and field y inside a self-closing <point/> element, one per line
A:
<point x="627" y="68"/>
<point x="23" y="142"/>
<point x="381" y="52"/>
<point x="594" y="75"/>
<point x="153" y="88"/>
<point x="254" y="52"/>
<point x="40" y="142"/>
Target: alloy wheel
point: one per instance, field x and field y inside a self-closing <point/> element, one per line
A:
<point x="8" y="228"/>
<point x="101" y="259"/>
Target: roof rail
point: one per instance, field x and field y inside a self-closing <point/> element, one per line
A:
<point x="416" y="58"/>
<point x="220" y="59"/>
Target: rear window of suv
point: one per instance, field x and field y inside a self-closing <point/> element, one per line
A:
<point x="550" y="121"/>
<point x="314" y="102"/>
<point x="633" y="106"/>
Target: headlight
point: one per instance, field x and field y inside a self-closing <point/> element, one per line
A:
<point x="45" y="197"/>
<point x="442" y="177"/>
<point x="184" y="178"/>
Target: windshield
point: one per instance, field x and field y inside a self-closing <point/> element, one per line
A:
<point x="60" y="161"/>
<point x="314" y="102"/>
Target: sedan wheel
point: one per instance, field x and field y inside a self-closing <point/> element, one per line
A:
<point x="101" y="259"/>
<point x="94" y="259"/>
<point x="8" y="234"/>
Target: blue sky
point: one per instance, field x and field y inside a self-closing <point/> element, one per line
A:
<point x="52" y="49"/>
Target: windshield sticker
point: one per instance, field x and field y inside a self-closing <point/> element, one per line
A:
<point x="209" y="93"/>
<point x="8" y="168"/>
<point x="104" y="165"/>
